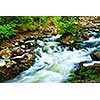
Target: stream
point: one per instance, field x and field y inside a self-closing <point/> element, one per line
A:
<point x="54" y="61"/>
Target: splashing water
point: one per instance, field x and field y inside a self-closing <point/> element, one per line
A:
<point x="54" y="62"/>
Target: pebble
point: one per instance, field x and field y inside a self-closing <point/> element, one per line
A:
<point x="30" y="56"/>
<point x="9" y="64"/>
<point x="23" y="46"/>
<point x="5" y="53"/>
<point x="16" y="43"/>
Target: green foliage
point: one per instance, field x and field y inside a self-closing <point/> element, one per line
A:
<point x="67" y="24"/>
<point x="43" y="20"/>
<point x="6" y="31"/>
<point x="9" y="25"/>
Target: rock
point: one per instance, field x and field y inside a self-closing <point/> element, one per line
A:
<point x="30" y="56"/>
<point x="96" y="55"/>
<point x="32" y="37"/>
<point x="5" y="53"/>
<point x="10" y="63"/>
<point x="16" y="43"/>
<point x="2" y="63"/>
<point x="95" y="29"/>
<point x="29" y="45"/>
<point x="21" y="41"/>
<point x="28" y="59"/>
<point x="23" y="46"/>
<point x="86" y="35"/>
<point x="18" y="51"/>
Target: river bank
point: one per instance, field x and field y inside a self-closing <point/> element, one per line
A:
<point x="17" y="54"/>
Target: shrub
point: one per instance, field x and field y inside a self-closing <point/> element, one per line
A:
<point x="67" y="24"/>
<point x="9" y="25"/>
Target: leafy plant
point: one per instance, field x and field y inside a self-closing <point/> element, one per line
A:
<point x="6" y="31"/>
<point x="66" y="24"/>
<point x="9" y="25"/>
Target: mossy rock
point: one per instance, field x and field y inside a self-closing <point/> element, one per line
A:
<point x="89" y="74"/>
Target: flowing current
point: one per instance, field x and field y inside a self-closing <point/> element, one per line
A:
<point x="54" y="61"/>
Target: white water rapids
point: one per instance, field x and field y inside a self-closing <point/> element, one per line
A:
<point x="54" y="61"/>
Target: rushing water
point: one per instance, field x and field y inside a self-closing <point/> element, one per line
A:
<point x="54" y="61"/>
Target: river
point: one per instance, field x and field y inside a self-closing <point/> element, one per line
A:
<point x="54" y="61"/>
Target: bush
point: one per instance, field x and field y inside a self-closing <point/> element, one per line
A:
<point x="10" y="25"/>
<point x="67" y="24"/>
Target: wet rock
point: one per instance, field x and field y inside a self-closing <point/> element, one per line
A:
<point x="2" y="63"/>
<point x="96" y="55"/>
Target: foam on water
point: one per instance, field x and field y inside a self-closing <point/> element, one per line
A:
<point x="53" y="63"/>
